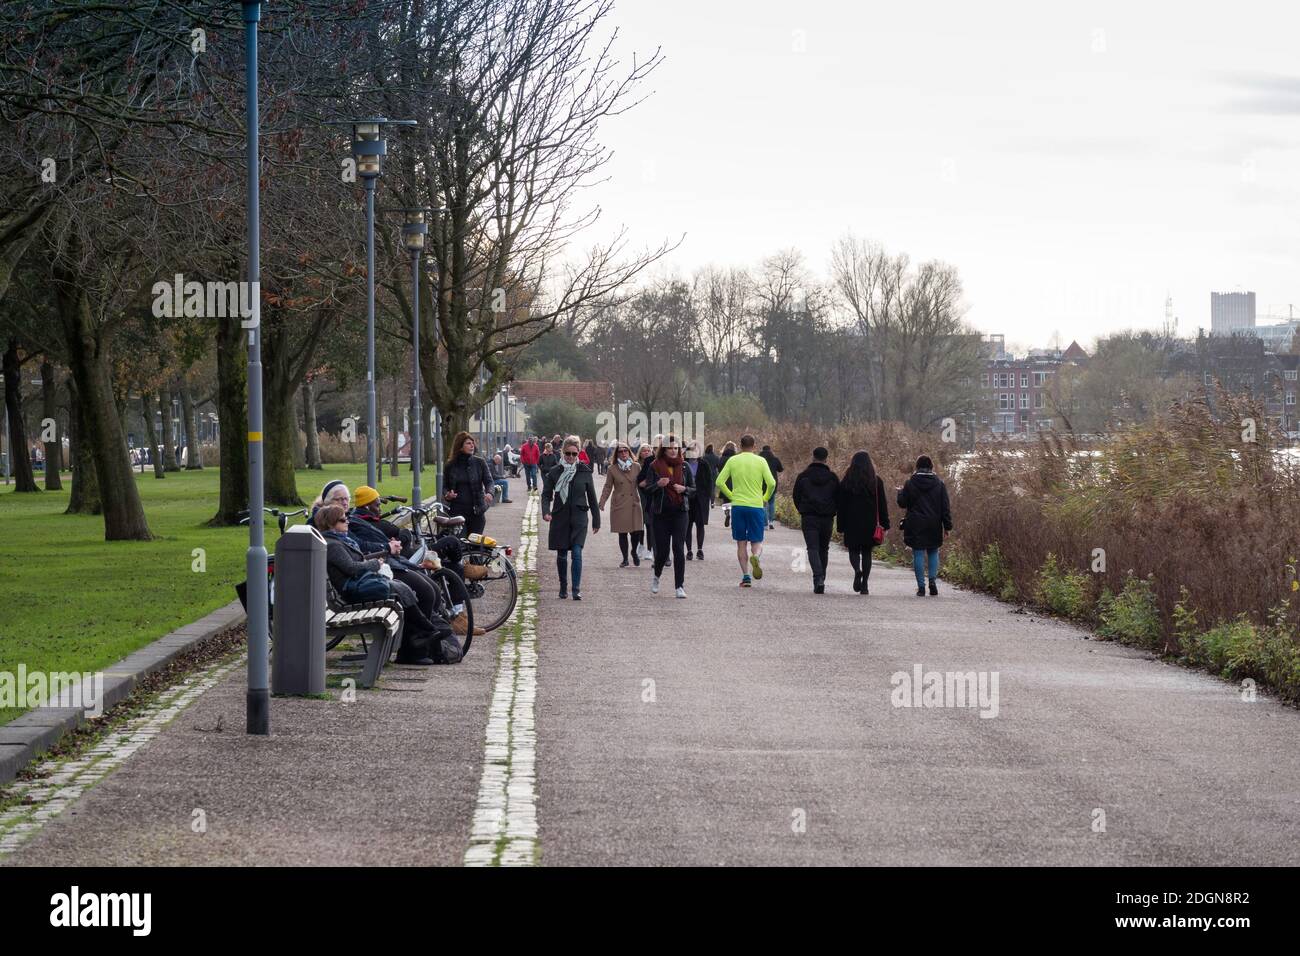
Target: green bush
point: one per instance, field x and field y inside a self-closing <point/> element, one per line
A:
<point x="994" y="573"/>
<point x="1132" y="616"/>
<point x="559" y="416"/>
<point x="1062" y="590"/>
<point x="786" y="513"/>
<point x="958" y="568"/>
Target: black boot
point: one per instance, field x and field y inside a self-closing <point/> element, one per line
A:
<point x="857" y="581"/>
<point x="934" y="588"/>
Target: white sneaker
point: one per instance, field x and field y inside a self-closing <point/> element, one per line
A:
<point x="654" y="586"/>
<point x="681" y="592"/>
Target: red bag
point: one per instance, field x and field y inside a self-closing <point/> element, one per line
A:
<point x="879" y="536"/>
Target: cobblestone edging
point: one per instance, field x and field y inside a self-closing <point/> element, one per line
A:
<point x="25" y="738"/>
<point x="504" y="829"/>
<point x="61" y="780"/>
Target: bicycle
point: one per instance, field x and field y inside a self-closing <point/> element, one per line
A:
<point x="282" y="519"/>
<point x="494" y="590"/>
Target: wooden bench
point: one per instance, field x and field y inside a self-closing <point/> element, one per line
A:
<point x="377" y="623"/>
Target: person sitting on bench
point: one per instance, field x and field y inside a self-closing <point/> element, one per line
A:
<point x="357" y="578"/>
<point x="499" y="479"/>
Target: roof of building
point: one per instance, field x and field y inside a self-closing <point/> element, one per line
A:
<point x="585" y="394"/>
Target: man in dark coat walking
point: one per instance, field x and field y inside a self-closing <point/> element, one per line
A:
<point x="814" y="499"/>
<point x="928" y="521"/>
<point x="774" y="464"/>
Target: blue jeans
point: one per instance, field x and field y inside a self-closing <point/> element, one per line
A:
<point x="770" y="507"/>
<point x="530" y="472"/>
<point x="562" y="565"/>
<point x="504" y="486"/>
<point x="922" y="556"/>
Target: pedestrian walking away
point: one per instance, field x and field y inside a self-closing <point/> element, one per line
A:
<point x="468" y="487"/>
<point x="927" y="522"/>
<point x="702" y="503"/>
<point x="747" y="482"/>
<point x="728" y="450"/>
<point x="625" y="516"/>
<point x="774" y="464"/>
<point x="814" y="499"/>
<point x="672" y="489"/>
<point x="568" y="498"/>
<point x="862" y="513"/>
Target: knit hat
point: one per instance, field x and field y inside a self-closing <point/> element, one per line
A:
<point x="364" y="495"/>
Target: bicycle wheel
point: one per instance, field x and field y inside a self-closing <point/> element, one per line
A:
<point x="493" y="596"/>
<point x="452" y="591"/>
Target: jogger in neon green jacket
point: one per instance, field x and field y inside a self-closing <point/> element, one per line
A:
<point x="747" y="482"/>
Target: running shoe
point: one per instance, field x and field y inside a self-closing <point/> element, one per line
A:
<point x="654" y="586"/>
<point x="758" y="571"/>
<point x="681" y="592"/>
<point x="745" y="582"/>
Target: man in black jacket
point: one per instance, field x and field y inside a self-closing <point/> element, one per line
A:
<point x="774" y="464"/>
<point x="814" y="499"/>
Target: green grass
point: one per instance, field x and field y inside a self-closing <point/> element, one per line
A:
<point x="74" y="602"/>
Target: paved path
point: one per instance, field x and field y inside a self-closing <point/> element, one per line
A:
<point x="772" y="714"/>
<point x="733" y="727"/>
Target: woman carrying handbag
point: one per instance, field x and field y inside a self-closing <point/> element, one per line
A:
<point x="862" y="515"/>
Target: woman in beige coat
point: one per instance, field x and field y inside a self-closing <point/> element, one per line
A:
<point x="625" y="515"/>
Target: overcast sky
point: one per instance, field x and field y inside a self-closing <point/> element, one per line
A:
<point x="1076" y="162"/>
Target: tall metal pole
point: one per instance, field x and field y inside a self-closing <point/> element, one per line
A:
<point x="417" y="423"/>
<point x="258" y="703"/>
<point x="437" y="417"/>
<point x="370" y="332"/>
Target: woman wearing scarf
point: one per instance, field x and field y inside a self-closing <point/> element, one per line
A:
<point x="468" y="484"/>
<point x="673" y="487"/>
<point x="625" y="517"/>
<point x="703" y="474"/>
<point x="568" y="496"/>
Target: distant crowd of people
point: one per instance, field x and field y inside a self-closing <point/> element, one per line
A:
<point x="660" y="495"/>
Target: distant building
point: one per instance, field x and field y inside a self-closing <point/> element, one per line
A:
<point x="1016" y="389"/>
<point x="1231" y="312"/>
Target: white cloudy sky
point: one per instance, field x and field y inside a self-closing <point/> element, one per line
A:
<point x="1075" y="161"/>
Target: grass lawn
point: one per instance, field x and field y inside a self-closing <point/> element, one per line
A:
<point x="75" y="602"/>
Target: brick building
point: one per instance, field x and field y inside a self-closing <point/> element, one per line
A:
<point x="1015" y="389"/>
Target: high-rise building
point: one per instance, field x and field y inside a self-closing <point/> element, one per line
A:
<point x="1231" y="312"/>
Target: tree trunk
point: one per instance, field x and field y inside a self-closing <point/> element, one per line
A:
<point x="193" y="445"/>
<point x="309" y="425"/>
<point x="168" y="445"/>
<point x="20" y="454"/>
<point x="232" y="419"/>
<point x="50" y="410"/>
<point x="83" y="497"/>
<point x="394" y="432"/>
<point x="101" y="429"/>
<point x="280" y="425"/>
<point x="151" y="434"/>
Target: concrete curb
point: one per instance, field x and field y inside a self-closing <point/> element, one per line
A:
<point x="24" y="739"/>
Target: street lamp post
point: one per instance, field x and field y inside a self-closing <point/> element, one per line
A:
<point x="258" y="699"/>
<point x="413" y="233"/>
<point x="368" y="147"/>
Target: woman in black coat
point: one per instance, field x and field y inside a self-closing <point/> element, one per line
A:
<point x="859" y="505"/>
<point x="927" y="523"/>
<point x="468" y="485"/>
<point x="568" y="497"/>
<point x="549" y="458"/>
